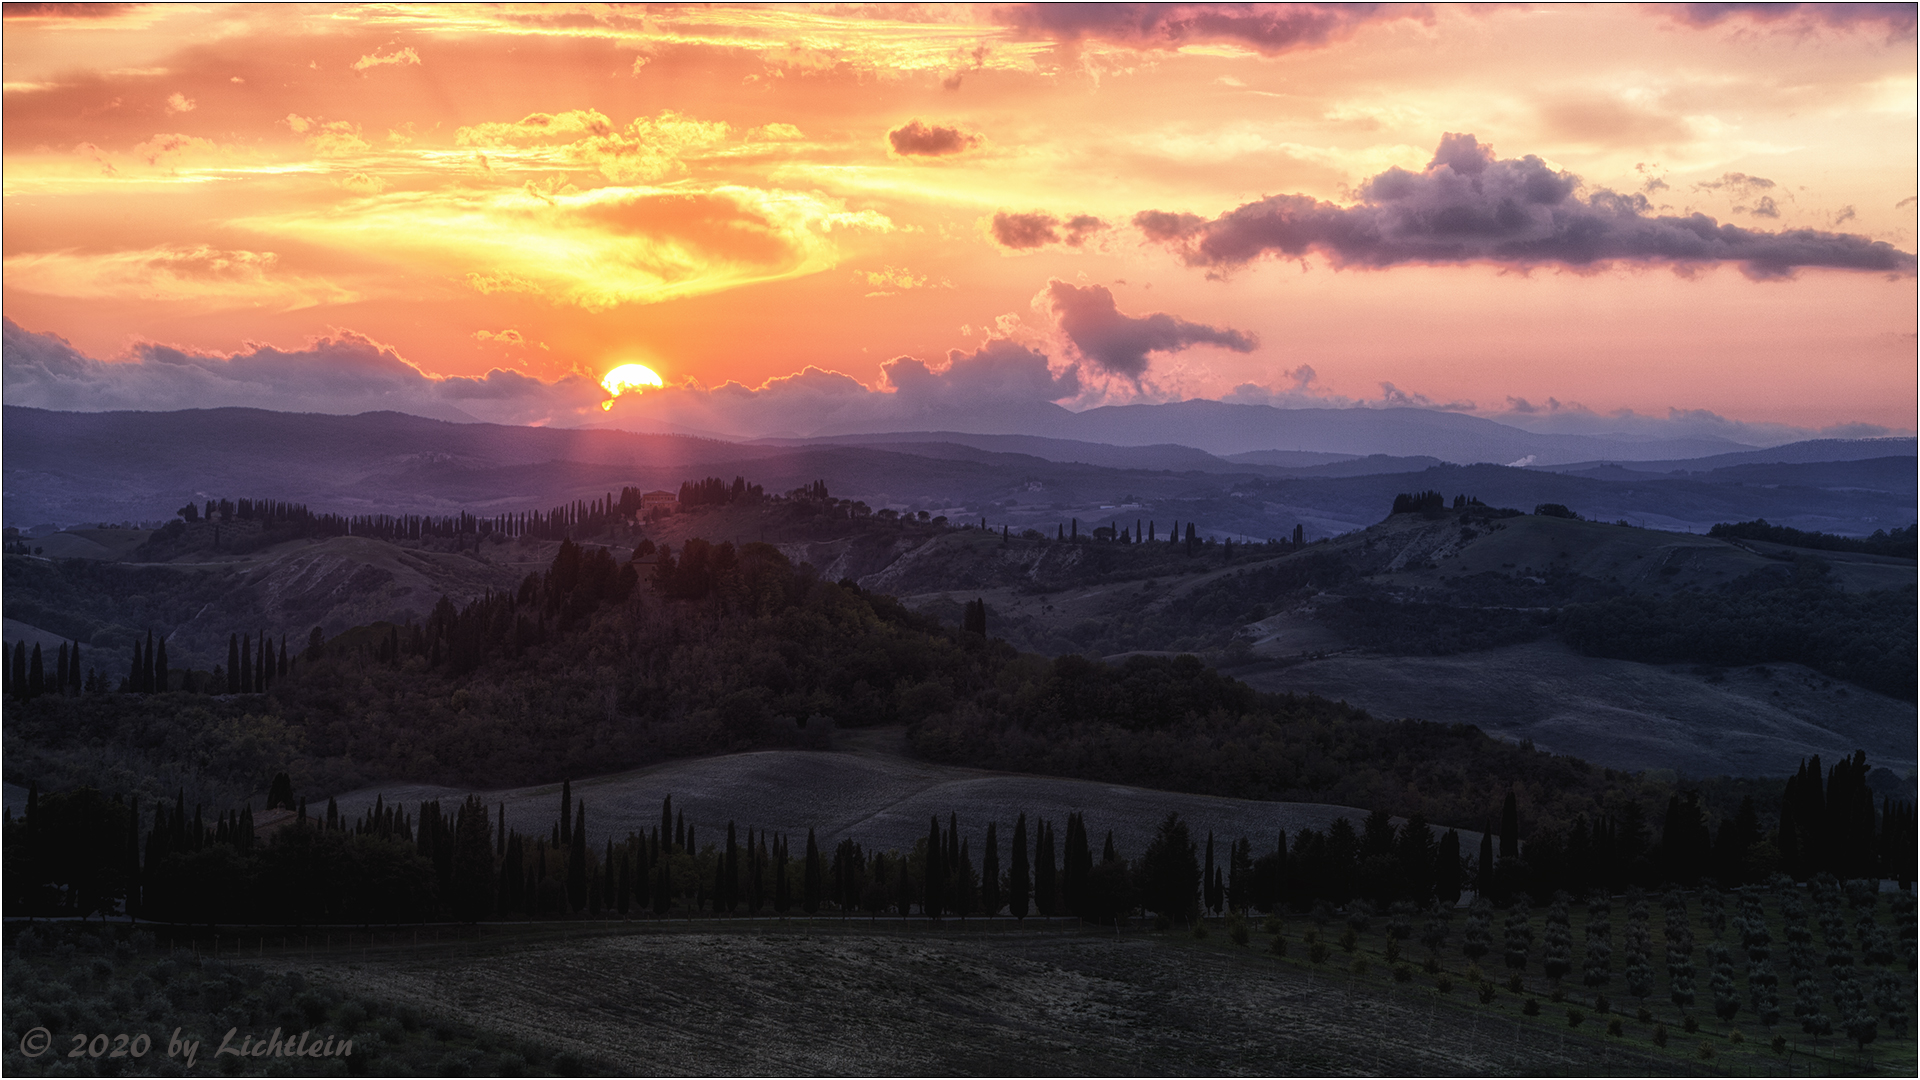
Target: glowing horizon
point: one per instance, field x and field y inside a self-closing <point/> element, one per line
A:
<point x="1563" y="216"/>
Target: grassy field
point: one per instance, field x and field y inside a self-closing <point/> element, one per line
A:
<point x="875" y="794"/>
<point x="826" y="995"/>
<point x="1757" y="721"/>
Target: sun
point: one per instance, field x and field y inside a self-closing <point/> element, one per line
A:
<point x="628" y="377"/>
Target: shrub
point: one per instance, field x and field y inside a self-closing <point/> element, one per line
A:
<point x="1348" y="940"/>
<point x="1488" y="992"/>
<point x="1706" y="1050"/>
<point x="1199" y="931"/>
<point x="1317" y="952"/>
<point x="1660" y="1035"/>
<point x="1359" y="965"/>
<point x="1689" y="1024"/>
<point x="1575" y="1018"/>
<point x="1615" y="1028"/>
<point x="1443" y="984"/>
<point x="1532" y="1007"/>
<point x="1402" y="973"/>
<point x="1279" y="946"/>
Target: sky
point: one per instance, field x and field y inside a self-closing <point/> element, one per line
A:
<point x="1584" y="218"/>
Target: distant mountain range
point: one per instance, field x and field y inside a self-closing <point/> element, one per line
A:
<point x="110" y="466"/>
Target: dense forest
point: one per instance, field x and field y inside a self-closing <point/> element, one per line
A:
<point x="1766" y="617"/>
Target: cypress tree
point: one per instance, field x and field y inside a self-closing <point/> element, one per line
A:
<point x="280" y="662"/>
<point x="1446" y="869"/>
<point x="135" y="684"/>
<point x="233" y="663"/>
<point x="160" y="673"/>
<point x="1076" y="863"/>
<point x="7" y="685"/>
<point x="728" y="886"/>
<point x="1017" y="888"/>
<point x="36" y="673"/>
<point x="782" y="893"/>
<point x="566" y="811"/>
<point x="756" y="880"/>
<point x="1209" y="881"/>
<point x="609" y="879"/>
<point x="811" y="884"/>
<point x="60" y="671"/>
<point x="681" y="839"/>
<point x="263" y="668"/>
<point x="1044" y="885"/>
<point x="1483" y="874"/>
<point x="935" y="872"/>
<point x="963" y="895"/>
<point x="246" y="664"/>
<point x="666" y="818"/>
<point x="473" y="877"/>
<point x="577" y="859"/>
<point x="147" y="667"/>
<point x="20" y="669"/>
<point x="1510" y="828"/>
<point x="500" y="835"/>
<point x="990" y="873"/>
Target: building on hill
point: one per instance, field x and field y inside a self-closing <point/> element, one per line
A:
<point x="665" y="502"/>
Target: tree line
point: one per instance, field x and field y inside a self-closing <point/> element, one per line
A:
<point x="1899" y="543"/>
<point x="80" y="853"/>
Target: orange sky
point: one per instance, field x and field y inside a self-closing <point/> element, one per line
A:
<point x="715" y="193"/>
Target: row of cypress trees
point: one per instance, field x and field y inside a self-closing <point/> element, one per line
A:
<point x="26" y="676"/>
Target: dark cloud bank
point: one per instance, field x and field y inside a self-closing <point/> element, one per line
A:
<point x="1118" y="344"/>
<point x="1023" y="232"/>
<point x="1269" y="29"/>
<point x="915" y="139"/>
<point x="1469" y="206"/>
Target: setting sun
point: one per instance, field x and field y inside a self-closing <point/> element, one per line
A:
<point x="628" y="377"/>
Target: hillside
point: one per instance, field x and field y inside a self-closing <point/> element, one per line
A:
<point x="67" y="468"/>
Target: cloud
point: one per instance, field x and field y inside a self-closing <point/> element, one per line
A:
<point x="209" y="278"/>
<point x="397" y="58"/>
<point x="1896" y="20"/>
<point x="1468" y="206"/>
<point x="328" y="138"/>
<point x="1026" y="231"/>
<point x="1607" y="121"/>
<point x="890" y="280"/>
<point x="646" y="149"/>
<point x="595" y="249"/>
<point x="178" y="103"/>
<point x="1740" y="184"/>
<point x="1392" y="396"/>
<point x="1001" y="386"/>
<point x="1269" y="29"/>
<point x="1118" y="344"/>
<point x="1556" y="417"/>
<point x="916" y="139"/>
<point x="343" y="373"/>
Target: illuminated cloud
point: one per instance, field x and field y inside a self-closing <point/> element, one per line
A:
<point x="1000" y="386"/>
<point x="328" y="138"/>
<point x="1118" y="344"/>
<point x="594" y="249"/>
<point x="1468" y="206"/>
<point x="1269" y="29"/>
<point x="1023" y="232"/>
<point x="204" y="277"/>
<point x="396" y="58"/>
<point x="646" y="149"/>
<point x="891" y="280"/>
<point x="915" y="139"/>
